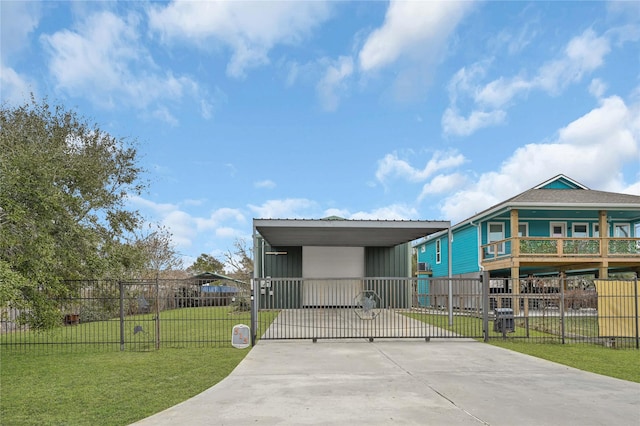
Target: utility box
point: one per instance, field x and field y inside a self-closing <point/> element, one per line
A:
<point x="504" y="322"/>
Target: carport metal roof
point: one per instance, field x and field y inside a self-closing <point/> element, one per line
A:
<point x="342" y="232"/>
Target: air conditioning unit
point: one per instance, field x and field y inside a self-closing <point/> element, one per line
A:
<point x="423" y="267"/>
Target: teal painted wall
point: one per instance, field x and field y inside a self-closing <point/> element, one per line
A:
<point x="465" y="250"/>
<point x="429" y="255"/>
<point x="560" y="184"/>
<point x="423" y="292"/>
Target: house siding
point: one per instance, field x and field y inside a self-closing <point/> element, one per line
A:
<point x="429" y="256"/>
<point x="283" y="266"/>
<point x="379" y="261"/>
<point x="560" y="184"/>
<point x="465" y="247"/>
<point x="387" y="261"/>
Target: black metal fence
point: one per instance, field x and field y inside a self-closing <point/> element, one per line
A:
<point x="143" y="315"/>
<point x="602" y="312"/>
<point x="566" y="310"/>
<point x="135" y="315"/>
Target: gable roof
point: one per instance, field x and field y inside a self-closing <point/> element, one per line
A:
<point x="559" y="197"/>
<point x="560" y="192"/>
<point x="560" y="182"/>
<point x="208" y="277"/>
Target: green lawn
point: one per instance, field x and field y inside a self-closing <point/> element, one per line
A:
<point x="85" y="387"/>
<point x="621" y="364"/>
<point x="108" y="388"/>
<point x="178" y="328"/>
<point x="544" y="343"/>
<point x="89" y="384"/>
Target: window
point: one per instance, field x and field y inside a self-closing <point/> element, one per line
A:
<point x="580" y="230"/>
<point x="523" y="230"/>
<point x="423" y="248"/>
<point x="558" y="229"/>
<point x="596" y="230"/>
<point x="438" y="251"/>
<point x="496" y="233"/>
<point x="621" y="230"/>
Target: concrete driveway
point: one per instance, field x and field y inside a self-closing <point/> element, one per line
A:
<point x="452" y="382"/>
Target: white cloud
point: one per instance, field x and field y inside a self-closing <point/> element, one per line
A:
<point x="16" y="89"/>
<point x="156" y="208"/>
<point x="592" y="149"/>
<point x="516" y="41"/>
<point x="633" y="189"/>
<point x="333" y="82"/>
<point x="249" y="29"/>
<point x="344" y="213"/>
<point x="392" y="166"/>
<point x="181" y="227"/>
<point x="19" y="19"/>
<point x="392" y="212"/>
<point x="268" y="184"/>
<point x="455" y="124"/>
<point x="290" y="208"/>
<point x="408" y="28"/>
<point x="442" y="184"/>
<point x="186" y="227"/>
<point x="163" y="114"/>
<point x="597" y="87"/>
<point x="217" y="217"/>
<point x="227" y="232"/>
<point x="582" y="55"/>
<point x="104" y="60"/>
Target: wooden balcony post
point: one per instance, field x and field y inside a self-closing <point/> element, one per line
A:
<point x="515" y="240"/>
<point x="604" y="234"/>
<point x="603" y="268"/>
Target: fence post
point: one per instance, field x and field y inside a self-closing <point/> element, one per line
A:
<point x="157" y="313"/>
<point x="484" y="281"/>
<point x="563" y="283"/>
<point x="121" y="289"/>
<point x="635" y="298"/>
<point x="254" y="316"/>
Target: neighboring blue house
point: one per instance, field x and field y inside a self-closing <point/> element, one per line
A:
<point x="551" y="229"/>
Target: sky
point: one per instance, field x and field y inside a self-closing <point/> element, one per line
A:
<point x="364" y="110"/>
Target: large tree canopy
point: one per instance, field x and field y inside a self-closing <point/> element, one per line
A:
<point x="64" y="184"/>
<point x="206" y="263"/>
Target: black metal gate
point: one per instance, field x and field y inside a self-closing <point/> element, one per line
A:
<point x="369" y="308"/>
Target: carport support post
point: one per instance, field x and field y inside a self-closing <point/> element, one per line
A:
<point x="484" y="280"/>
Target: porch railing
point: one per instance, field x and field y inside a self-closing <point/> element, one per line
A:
<point x="561" y="247"/>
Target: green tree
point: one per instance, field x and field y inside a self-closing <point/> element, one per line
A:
<point x="64" y="184"/>
<point x="206" y="263"/>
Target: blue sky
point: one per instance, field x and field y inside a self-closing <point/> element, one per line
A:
<point x="365" y="110"/>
